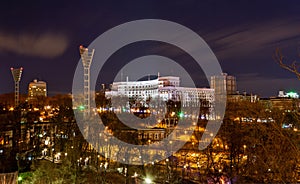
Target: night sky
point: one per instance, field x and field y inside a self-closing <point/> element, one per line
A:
<point x="43" y="37"/>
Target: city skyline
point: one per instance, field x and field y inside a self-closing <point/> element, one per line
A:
<point x="150" y="92"/>
<point x="44" y="39"/>
<point x="188" y="83"/>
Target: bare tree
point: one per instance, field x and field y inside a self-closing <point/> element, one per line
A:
<point x="292" y="67"/>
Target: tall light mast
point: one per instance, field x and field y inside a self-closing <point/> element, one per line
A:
<point x="17" y="73"/>
<point x="86" y="58"/>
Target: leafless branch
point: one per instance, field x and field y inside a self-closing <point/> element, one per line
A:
<point x="293" y="67"/>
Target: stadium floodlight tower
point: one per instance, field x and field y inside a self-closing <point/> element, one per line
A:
<point x="16" y="73"/>
<point x="86" y="58"/>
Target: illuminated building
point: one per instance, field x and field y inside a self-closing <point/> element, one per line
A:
<point x="151" y="134"/>
<point x="17" y="73"/>
<point x="288" y="102"/>
<point x="37" y="89"/>
<point x="161" y="90"/>
<point x="223" y="86"/>
<point x="239" y="97"/>
<point x="290" y="94"/>
<point x="222" y="83"/>
<point x="166" y="88"/>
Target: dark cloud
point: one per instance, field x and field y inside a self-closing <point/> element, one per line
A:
<point x="45" y="45"/>
<point x="245" y="39"/>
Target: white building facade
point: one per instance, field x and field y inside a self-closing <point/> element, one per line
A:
<point x="165" y="88"/>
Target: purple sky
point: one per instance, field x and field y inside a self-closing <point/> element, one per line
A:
<point x="43" y="37"/>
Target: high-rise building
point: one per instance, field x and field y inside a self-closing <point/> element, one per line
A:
<point x="222" y="83"/>
<point x="37" y="89"/>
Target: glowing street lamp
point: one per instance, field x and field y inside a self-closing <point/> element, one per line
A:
<point x="148" y="180"/>
<point x="181" y="114"/>
<point x="46" y="142"/>
<point x="20" y="178"/>
<point x="226" y="147"/>
<point x="86" y="161"/>
<point x="44" y="152"/>
<point x="105" y="165"/>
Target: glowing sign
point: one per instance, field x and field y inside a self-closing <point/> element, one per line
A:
<point x="292" y="95"/>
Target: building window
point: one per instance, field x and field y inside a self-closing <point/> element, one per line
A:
<point x="6" y="140"/>
<point x="150" y="135"/>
